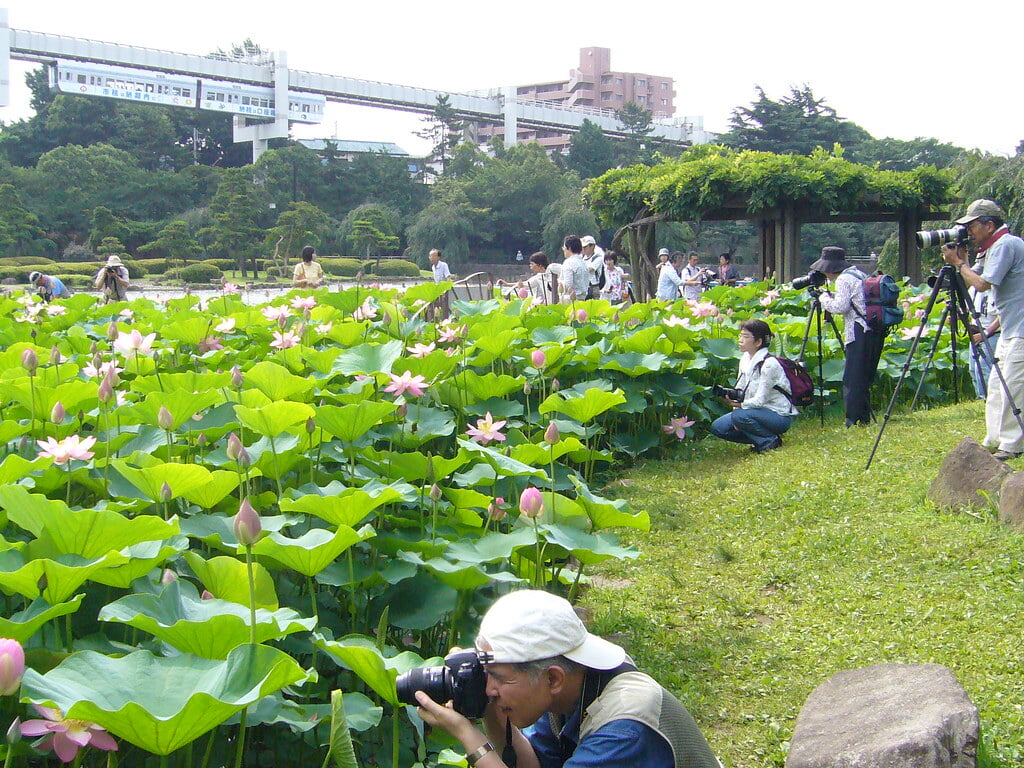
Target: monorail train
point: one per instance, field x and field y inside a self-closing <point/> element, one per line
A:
<point x="87" y="79"/>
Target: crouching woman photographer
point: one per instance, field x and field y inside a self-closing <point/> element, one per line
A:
<point x="761" y="410"/>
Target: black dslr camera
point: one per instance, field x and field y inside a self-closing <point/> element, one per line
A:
<point x="731" y="393"/>
<point x="813" y="279"/>
<point x="462" y="680"/>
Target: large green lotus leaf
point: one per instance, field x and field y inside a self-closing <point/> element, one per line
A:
<point x="160" y="704"/>
<point x="313" y="551"/>
<point x="276" y="382"/>
<point x="369" y="359"/>
<point x="54" y="579"/>
<point x="190" y="330"/>
<point x="588" y="548"/>
<point x="73" y="395"/>
<point x="461" y="577"/>
<point x="190" y="381"/>
<point x="207" y="628"/>
<point x="471" y="387"/>
<point x="142" y="558"/>
<point x="639" y="341"/>
<point x="85" y="532"/>
<point x="228" y="579"/>
<point x="435" y="366"/>
<point x="422" y="424"/>
<point x="181" y="404"/>
<point x="592" y="404"/>
<point x="360" y="654"/>
<point x="427" y="292"/>
<point x="412" y="466"/>
<point x="218" y="530"/>
<point x="274" y="459"/>
<point x="274" y="418"/>
<point x="605" y="513"/>
<point x="497" y="346"/>
<point x="215" y="490"/>
<point x="504" y="464"/>
<point x="14" y="467"/>
<point x="635" y="363"/>
<point x="9" y="430"/>
<point x="492" y="547"/>
<point x="22" y="625"/>
<point x="722" y="349"/>
<point x="351" y="422"/>
<point x="542" y="455"/>
<point x="465" y="498"/>
<point x="180" y="478"/>
<point x="348" y="508"/>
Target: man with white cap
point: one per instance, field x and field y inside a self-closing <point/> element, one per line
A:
<point x="559" y="695"/>
<point x="1003" y="274"/>
<point x="112" y="279"/>
<point x="593" y="254"/>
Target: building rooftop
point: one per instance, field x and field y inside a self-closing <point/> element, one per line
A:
<point x="345" y="146"/>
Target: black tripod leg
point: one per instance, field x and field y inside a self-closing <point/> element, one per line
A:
<point x="931" y="355"/>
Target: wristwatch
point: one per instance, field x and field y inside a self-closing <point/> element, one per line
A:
<point x="484" y="749"/>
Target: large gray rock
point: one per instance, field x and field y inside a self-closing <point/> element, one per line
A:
<point x="1011" y="500"/>
<point x="967" y="469"/>
<point x="887" y="716"/>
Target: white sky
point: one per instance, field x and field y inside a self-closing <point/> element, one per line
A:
<point x="898" y="68"/>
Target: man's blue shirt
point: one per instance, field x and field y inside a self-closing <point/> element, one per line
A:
<point x="620" y="743"/>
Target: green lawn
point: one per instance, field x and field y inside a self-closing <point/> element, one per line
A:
<point x="764" y="575"/>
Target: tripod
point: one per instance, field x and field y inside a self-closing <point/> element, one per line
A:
<point x="814" y="317"/>
<point x="958" y="309"/>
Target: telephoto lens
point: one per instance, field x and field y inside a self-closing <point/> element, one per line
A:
<point x="812" y="278"/>
<point x="957" y="234"/>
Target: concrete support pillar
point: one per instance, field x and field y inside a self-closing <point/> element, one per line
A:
<point x="511" y="124"/>
<point x="260" y="133"/>
<point x="5" y="59"/>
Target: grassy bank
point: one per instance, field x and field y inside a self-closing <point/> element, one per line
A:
<point x="764" y="575"/>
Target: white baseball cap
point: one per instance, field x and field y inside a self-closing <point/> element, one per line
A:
<point x="531" y="624"/>
<point x="588" y="240"/>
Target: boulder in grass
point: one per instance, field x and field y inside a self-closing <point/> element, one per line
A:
<point x="887" y="716"/>
<point x="1011" y="501"/>
<point x="966" y="470"/>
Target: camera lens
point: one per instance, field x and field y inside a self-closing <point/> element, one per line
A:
<point x="434" y="681"/>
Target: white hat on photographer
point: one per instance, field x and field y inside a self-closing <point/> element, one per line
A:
<point x="529" y="625"/>
<point x="113" y="260"/>
<point x="587" y="240"/>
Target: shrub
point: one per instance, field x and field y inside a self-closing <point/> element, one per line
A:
<point x="81" y="268"/>
<point x="77" y="252"/>
<point x="200" y="273"/>
<point x="75" y="281"/>
<point x="222" y="264"/>
<point x="273" y="272"/>
<point x="392" y="268"/>
<point x="24" y="261"/>
<point x="341" y="267"/>
<point x="155" y="266"/>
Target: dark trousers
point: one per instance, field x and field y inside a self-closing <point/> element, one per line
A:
<point x="862" y="356"/>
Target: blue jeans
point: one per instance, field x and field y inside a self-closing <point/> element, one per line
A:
<point x="981" y="367"/>
<point x="754" y="426"/>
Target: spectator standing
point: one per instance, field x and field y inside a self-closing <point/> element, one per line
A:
<point x="664" y="255"/>
<point x="693" y="278"/>
<point x="1003" y="275"/>
<point x="988" y="327"/>
<point x="727" y="273"/>
<point x="112" y="280"/>
<point x="539" y="284"/>
<point x="863" y="344"/>
<point x="593" y="254"/>
<point x="48" y="286"/>
<point x="669" y="279"/>
<point x="614" y="289"/>
<point x="574" y="279"/>
<point x="438" y="267"/>
<point x="308" y="273"/>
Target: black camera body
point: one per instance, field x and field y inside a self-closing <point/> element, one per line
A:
<point x="462" y="680"/>
<point x="956" y="234"/>
<point x="814" y="278"/>
<point x="731" y="393"/>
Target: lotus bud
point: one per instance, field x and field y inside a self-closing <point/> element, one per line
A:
<point x="201" y="440"/>
<point x="234" y="446"/>
<point x="55" y="356"/>
<point x="551" y="434"/>
<point x="538" y="358"/>
<point x="12" y="666"/>
<point x="282" y="322"/>
<point x="247" y="524"/>
<point x="29" y="361"/>
<point x="23" y="443"/>
<point x="207" y="595"/>
<point x="386" y="319"/>
<point x="14" y="732"/>
<point x="58" y="413"/>
<point x="168" y="577"/>
<point x="531" y="503"/>
<point x="112" y="330"/>
<point x="402" y="411"/>
<point x="430" y="474"/>
<point x="165" y="419"/>
<point x="236" y="377"/>
<point x="244" y="460"/>
<point x="555" y="386"/>
<point x="310" y="425"/>
<point x="106" y="391"/>
<point x="94" y="348"/>
<point x="527" y="388"/>
<point x="495" y="511"/>
<point x="435" y="492"/>
<point x="581" y="315"/>
<point x="523" y="292"/>
<point x="166" y="494"/>
<point x="97" y="361"/>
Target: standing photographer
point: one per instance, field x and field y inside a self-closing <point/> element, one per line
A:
<point x="762" y="412"/>
<point x="562" y="696"/>
<point x="863" y="344"/>
<point x="694" y="277"/>
<point x="112" y="279"/>
<point x="1003" y="274"/>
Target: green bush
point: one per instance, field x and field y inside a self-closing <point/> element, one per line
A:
<point x="75" y="281"/>
<point x="341" y="267"/>
<point x="200" y="273"/>
<point x="222" y="264"/>
<point x="155" y="266"/>
<point x="391" y="268"/>
<point x="81" y="268"/>
<point x="273" y="272"/>
<point x="24" y="261"/>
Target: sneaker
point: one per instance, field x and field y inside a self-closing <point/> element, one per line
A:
<point x="1005" y="455"/>
<point x="776" y="443"/>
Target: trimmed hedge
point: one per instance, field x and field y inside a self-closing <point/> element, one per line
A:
<point x="76" y="281"/>
<point x="341" y="267"/>
<point x="22" y="261"/>
<point x="391" y="268"/>
<point x="200" y="273"/>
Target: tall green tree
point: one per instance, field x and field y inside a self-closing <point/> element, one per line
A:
<point x="386" y="220"/>
<point x="176" y="242"/>
<point x="237" y="210"/>
<point x="20" y="233"/>
<point x="444" y="130"/>
<point x="591" y="153"/>
<point x="638" y="122"/>
<point x="450" y="222"/>
<point x="300" y="225"/>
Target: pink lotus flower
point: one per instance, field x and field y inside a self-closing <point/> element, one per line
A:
<point x="66" y="737"/>
<point x="496" y="509"/>
<point x="285" y="340"/>
<point x="909" y="334"/>
<point x="538" y="358"/>
<point x="486" y="430"/>
<point x="247" y="524"/>
<point x="919" y="313"/>
<point x="275" y="314"/>
<point x="303" y="302"/>
<point x="126" y="314"/>
<point x="12" y="665"/>
<point x="421" y="350"/>
<point x="134" y="343"/>
<point x="209" y="344"/>
<point x="29" y="360"/>
<point x="62" y="451"/>
<point x="230" y="288"/>
<point x="93" y="372"/>
<point x="56" y="309"/>
<point x="227" y="325"/>
<point x="531" y="502"/>
<point x="581" y="315"/>
<point x="414" y="386"/>
<point x="366" y="312"/>
<point x="324" y="328"/>
<point x="678" y="427"/>
<point x="522" y="292"/>
<point x="448" y="335"/>
<point x="704" y="309"/>
<point x="675" y="320"/>
<point x="769" y="297"/>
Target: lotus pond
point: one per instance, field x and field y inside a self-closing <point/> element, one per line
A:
<point x="228" y="528"/>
